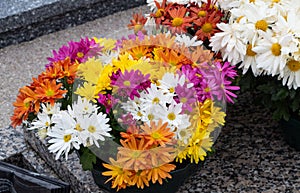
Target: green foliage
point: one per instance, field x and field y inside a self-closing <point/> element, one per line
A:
<point x="87" y="158"/>
<point x="279" y="99"/>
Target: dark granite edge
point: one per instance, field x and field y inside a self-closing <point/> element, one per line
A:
<point x="44" y="20"/>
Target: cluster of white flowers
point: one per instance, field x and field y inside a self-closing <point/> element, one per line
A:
<point x="65" y="129"/>
<point x="263" y="35"/>
<point x="157" y="103"/>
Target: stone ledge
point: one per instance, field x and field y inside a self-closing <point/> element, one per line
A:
<point x="49" y="16"/>
<point x="69" y="171"/>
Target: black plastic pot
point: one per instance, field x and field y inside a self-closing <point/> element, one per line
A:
<point x="17" y="180"/>
<point x="291" y="129"/>
<point x="169" y="186"/>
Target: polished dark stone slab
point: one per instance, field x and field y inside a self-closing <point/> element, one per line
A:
<point x="24" y="20"/>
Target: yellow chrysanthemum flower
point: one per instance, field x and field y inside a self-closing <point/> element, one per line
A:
<point x="88" y="91"/>
<point x="90" y="70"/>
<point x="108" y="44"/>
<point x="104" y="80"/>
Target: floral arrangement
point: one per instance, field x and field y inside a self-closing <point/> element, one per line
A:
<point x="264" y="36"/>
<point x="155" y="98"/>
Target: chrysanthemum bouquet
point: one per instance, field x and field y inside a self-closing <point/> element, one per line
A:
<point x="141" y="104"/>
<point x="264" y="36"/>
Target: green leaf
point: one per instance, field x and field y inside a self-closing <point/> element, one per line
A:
<point x="87" y="159"/>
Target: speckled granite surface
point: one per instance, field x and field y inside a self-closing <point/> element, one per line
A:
<point x="251" y="153"/>
<point x="23" y="20"/>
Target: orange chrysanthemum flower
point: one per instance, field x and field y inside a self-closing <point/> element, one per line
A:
<point x="171" y="57"/>
<point x="49" y="91"/>
<point x="160" y="173"/>
<point x="61" y="69"/>
<point x="137" y="23"/>
<point x="139" y="178"/>
<point x="157" y="134"/>
<point x="206" y="26"/>
<point x="26" y="102"/>
<point x="178" y="22"/>
<point x="133" y="154"/>
<point x="119" y="176"/>
<point x="161" y="11"/>
<point x="140" y="51"/>
<point x="132" y="131"/>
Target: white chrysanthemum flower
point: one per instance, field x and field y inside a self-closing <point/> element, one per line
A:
<point x="273" y="52"/>
<point x="107" y="57"/>
<point x="230" y="42"/>
<point x="187" y="40"/>
<point x="94" y="128"/>
<point x="171" y="114"/>
<point x="49" y="109"/>
<point x="291" y="74"/>
<point x="150" y="114"/>
<point x="154" y="96"/>
<point x="82" y="107"/>
<point x="169" y="82"/>
<point x="288" y="24"/>
<point x="62" y="141"/>
<point x="133" y="107"/>
<point x="43" y="121"/>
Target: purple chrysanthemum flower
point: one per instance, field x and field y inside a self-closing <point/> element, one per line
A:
<point x="108" y="101"/>
<point x="76" y="51"/>
<point x="129" y="83"/>
<point x="186" y="96"/>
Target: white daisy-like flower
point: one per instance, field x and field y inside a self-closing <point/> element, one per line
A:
<point x="108" y="56"/>
<point x="230" y="42"/>
<point x="288" y="24"/>
<point x="150" y="114"/>
<point x="95" y="127"/>
<point x="62" y="141"/>
<point x="82" y="107"/>
<point x="169" y="82"/>
<point x="154" y="96"/>
<point x="49" y="109"/>
<point x="133" y="107"/>
<point x="273" y="51"/>
<point x="43" y="121"/>
<point x="187" y="40"/>
<point x="171" y="114"/>
<point x="290" y="75"/>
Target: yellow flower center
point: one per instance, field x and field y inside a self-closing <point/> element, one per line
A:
<point x="92" y="129"/>
<point x="47" y="124"/>
<point x="293" y="65"/>
<point x="183" y="100"/>
<point x="80" y="54"/>
<point x="262" y="25"/>
<point x="171" y="116"/>
<point x="172" y="90"/>
<point x="177" y="22"/>
<point x="159" y="13"/>
<point x="67" y="138"/>
<point x="150" y="117"/>
<point x="207" y="27"/>
<point x="78" y="127"/>
<point x="137" y="27"/>
<point x="207" y="89"/>
<point x="126" y="83"/>
<point x="156" y="135"/>
<point x="155" y="100"/>
<point x="139" y="114"/>
<point x="49" y="93"/>
<point x="275" y="1"/>
<point x="249" y="51"/>
<point x="201" y="13"/>
<point x="136" y="154"/>
<point x="252" y="1"/>
<point x="276" y="47"/>
<point x="27" y="105"/>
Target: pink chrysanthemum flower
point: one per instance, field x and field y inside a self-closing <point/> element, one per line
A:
<point x="108" y="101"/>
<point x="129" y="83"/>
<point x="186" y="96"/>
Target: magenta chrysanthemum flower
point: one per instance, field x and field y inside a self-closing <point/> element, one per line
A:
<point x="218" y="83"/>
<point x="129" y="83"/>
<point x="108" y="101"/>
<point x="77" y="51"/>
<point x="186" y="96"/>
